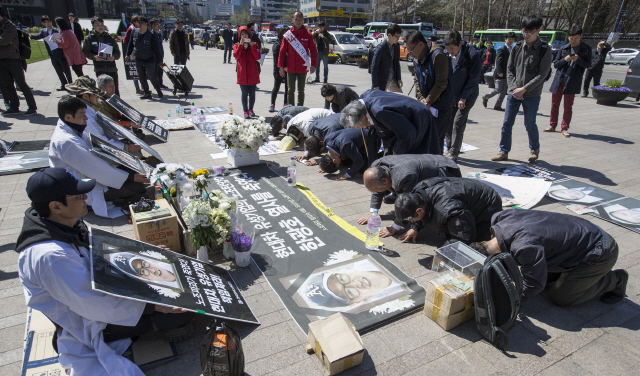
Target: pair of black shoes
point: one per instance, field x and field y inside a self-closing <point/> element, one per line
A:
<point x="617" y="294"/>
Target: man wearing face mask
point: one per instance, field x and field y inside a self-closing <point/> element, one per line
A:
<point x="431" y="79"/>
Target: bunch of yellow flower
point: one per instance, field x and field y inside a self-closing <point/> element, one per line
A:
<point x="202" y="171"/>
<point x="201" y="178"/>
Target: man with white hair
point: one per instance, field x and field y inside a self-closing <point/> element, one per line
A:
<point x="405" y="125"/>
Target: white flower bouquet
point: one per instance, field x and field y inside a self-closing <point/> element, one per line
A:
<point x="244" y="134"/>
<point x="173" y="175"/>
<point x="207" y="225"/>
<point x="220" y="201"/>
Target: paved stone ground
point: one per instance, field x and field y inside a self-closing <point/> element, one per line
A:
<point x="590" y="339"/>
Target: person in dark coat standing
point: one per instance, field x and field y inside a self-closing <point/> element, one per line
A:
<point x="460" y="208"/>
<point x="579" y="254"/>
<point x="76" y="28"/>
<point x="337" y="96"/>
<point x="347" y="147"/>
<point x="396" y="174"/>
<point x="179" y="44"/>
<point x="488" y="58"/>
<point x="431" y="79"/>
<point x="56" y="54"/>
<point x="227" y="36"/>
<point x="155" y="25"/>
<point x="500" y="73"/>
<point x="594" y="72"/>
<point x="404" y="125"/>
<point x="277" y="78"/>
<point x="144" y="50"/>
<point x="385" y="64"/>
<point x="464" y="76"/>
<point x="570" y="63"/>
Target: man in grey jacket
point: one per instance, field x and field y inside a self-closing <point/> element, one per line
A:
<point x="528" y="67"/>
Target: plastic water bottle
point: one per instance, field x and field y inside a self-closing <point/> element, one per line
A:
<point x="230" y="109"/>
<point x="169" y="115"/>
<point x="373" y="230"/>
<point x="194" y="110"/>
<point x="202" y="117"/>
<point x="178" y="111"/>
<point x="291" y="172"/>
<point x="209" y="129"/>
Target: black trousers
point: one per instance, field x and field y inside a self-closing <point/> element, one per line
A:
<point x="147" y="323"/>
<point x="591" y="74"/>
<point x="159" y="74"/>
<point x="277" y="81"/>
<point x="147" y="70"/>
<point x="113" y="75"/>
<point x="442" y="123"/>
<point x="128" y="189"/>
<point x="61" y="65"/>
<point x="11" y="71"/>
<point x="227" y="47"/>
<point x="77" y="69"/>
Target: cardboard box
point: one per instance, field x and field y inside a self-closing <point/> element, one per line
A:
<point x="336" y="343"/>
<point x="162" y="231"/>
<point x="447" y="299"/>
<point x="448" y="321"/>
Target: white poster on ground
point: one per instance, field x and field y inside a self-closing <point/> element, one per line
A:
<point x="269" y="148"/>
<point x="524" y="193"/>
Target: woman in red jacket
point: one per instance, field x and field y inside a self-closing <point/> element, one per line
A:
<point x="247" y="53"/>
<point x="70" y="47"/>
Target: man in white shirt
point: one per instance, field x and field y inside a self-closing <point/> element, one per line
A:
<point x="70" y="149"/>
<point x="93" y="328"/>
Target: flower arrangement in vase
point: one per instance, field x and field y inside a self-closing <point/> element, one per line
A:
<point x="247" y="134"/>
<point x="201" y="180"/>
<point x="173" y="175"/>
<point x="208" y="221"/>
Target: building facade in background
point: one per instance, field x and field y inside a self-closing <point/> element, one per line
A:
<point x="336" y="14"/>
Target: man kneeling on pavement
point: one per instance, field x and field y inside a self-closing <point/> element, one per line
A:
<point x="460" y="208"/>
<point x="70" y="149"/>
<point x="93" y="328"/>
<point x="551" y="247"/>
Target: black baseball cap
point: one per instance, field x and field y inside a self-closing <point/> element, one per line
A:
<point x="54" y="183"/>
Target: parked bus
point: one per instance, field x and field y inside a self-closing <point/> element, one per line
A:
<point x="270" y="26"/>
<point x="425" y="28"/>
<point x="356" y="30"/>
<point x="372" y="29"/>
<point x="555" y="38"/>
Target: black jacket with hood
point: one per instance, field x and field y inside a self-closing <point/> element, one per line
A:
<point x="455" y="206"/>
<point x="37" y="230"/>
<point x="543" y="242"/>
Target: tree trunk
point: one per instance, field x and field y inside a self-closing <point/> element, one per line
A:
<point x="586" y="14"/>
<point x="506" y="24"/>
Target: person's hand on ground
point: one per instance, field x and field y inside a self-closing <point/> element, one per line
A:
<point x="364" y="220"/>
<point x="387" y="231"/>
<point x="340" y="177"/>
<point x="312" y="162"/>
<point x="409" y="235"/>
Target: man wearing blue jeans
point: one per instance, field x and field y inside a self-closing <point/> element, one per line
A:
<point x="529" y="66"/>
<point x="323" y="40"/>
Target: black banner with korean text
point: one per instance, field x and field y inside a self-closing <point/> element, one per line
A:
<point x="316" y="262"/>
<point x="135" y="270"/>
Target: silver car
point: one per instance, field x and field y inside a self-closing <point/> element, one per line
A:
<point x="632" y="79"/>
<point x="348" y="47"/>
<point x="621" y="56"/>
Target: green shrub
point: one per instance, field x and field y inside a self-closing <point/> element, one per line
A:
<point x="614" y="84"/>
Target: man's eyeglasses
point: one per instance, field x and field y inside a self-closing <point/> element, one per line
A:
<point x="143" y="271"/>
<point x="344" y="280"/>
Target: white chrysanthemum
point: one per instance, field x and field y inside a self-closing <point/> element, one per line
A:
<point x="339" y="256"/>
<point x="397" y="305"/>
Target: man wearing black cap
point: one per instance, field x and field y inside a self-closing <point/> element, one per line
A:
<point x="76" y="28"/>
<point x="71" y="150"/>
<point x="93" y="328"/>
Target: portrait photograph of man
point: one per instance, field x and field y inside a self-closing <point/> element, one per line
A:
<point x="576" y="192"/>
<point x="144" y="268"/>
<point x="624" y="212"/>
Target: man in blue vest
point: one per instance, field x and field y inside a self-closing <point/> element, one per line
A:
<point x="93" y="49"/>
<point x="56" y="54"/>
<point x="144" y="50"/>
<point x="431" y="79"/>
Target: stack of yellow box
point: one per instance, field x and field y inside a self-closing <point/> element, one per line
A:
<point x="450" y="301"/>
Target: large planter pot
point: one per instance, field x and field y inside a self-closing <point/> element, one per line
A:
<point x="240" y="157"/>
<point x="608" y="97"/>
<point x="362" y="63"/>
<point x="333" y="59"/>
<point x="488" y="79"/>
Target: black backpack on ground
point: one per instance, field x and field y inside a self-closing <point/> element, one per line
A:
<point x="221" y="351"/>
<point x="497" y="291"/>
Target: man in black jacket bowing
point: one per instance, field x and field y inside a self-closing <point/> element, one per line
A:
<point x="500" y="73"/>
<point x="552" y="243"/>
<point x="405" y="125"/>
